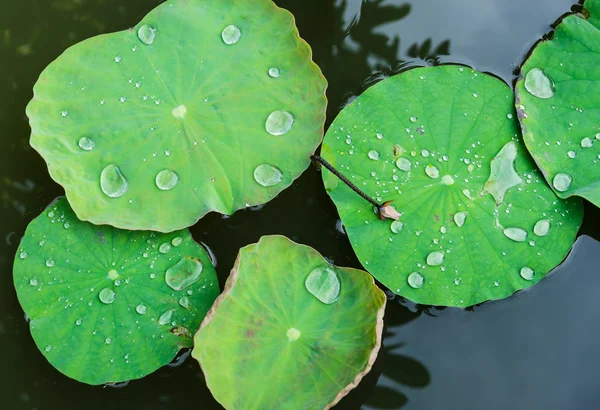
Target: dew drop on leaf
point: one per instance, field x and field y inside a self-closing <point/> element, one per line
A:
<point x="324" y="284"/>
<point x="141" y="309"/>
<point x="184" y="302"/>
<point x="167" y="180"/>
<point x="396" y="226"/>
<point x="231" y="34"/>
<point x="404" y="164"/>
<point x="459" y="218"/>
<point x="50" y="263"/>
<point x="541" y="227"/>
<point x="164" y="248"/>
<point x="184" y="273"/>
<point x="113" y="182"/>
<point x="562" y="182"/>
<point x="527" y="273"/>
<point x="107" y="296"/>
<point x="165" y="318"/>
<point x="374" y="155"/>
<point x="432" y="171"/>
<point x="279" y="122"/>
<point x="435" y="258"/>
<point x="293" y="334"/>
<point x="176" y="241"/>
<point x="267" y="175"/>
<point x="539" y="84"/>
<point x="516" y="234"/>
<point x="146" y="34"/>
<point x="415" y="280"/>
<point x="274" y="72"/>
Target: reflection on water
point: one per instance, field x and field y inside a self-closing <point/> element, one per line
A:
<point x="431" y="358"/>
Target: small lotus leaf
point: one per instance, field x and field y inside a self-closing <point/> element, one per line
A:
<point x="99" y="306"/>
<point x="442" y="143"/>
<point x="271" y="343"/>
<point x="203" y="106"/>
<point x="558" y="100"/>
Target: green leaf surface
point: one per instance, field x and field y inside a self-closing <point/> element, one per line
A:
<point x="100" y="307"/>
<point x="558" y="100"/>
<point x="270" y="343"/>
<point x="443" y="144"/>
<point x="203" y="106"/>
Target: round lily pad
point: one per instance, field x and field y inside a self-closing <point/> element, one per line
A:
<point x="290" y="331"/>
<point x="557" y="102"/>
<point x="107" y="305"/>
<point x="477" y="220"/>
<point x="203" y="106"/>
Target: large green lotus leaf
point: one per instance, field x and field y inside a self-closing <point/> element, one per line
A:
<point x="203" y="106"/>
<point x="558" y="100"/>
<point x="478" y="221"/>
<point x="107" y="305"/>
<point x="290" y="331"/>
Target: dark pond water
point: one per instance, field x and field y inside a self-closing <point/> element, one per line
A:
<point x="535" y="350"/>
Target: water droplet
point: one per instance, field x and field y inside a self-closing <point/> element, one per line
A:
<point x="403" y="164"/>
<point x="435" y="258"/>
<point x="274" y="72"/>
<point x="516" y="234"/>
<point x="179" y="112"/>
<point x="432" y="171"/>
<point x="167" y="179"/>
<point x="459" y="218"/>
<point x="141" y="309"/>
<point x="50" y="263"/>
<point x="587" y="142"/>
<point x="64" y="113"/>
<point x="539" y="83"/>
<point x="112" y="181"/>
<point x="178" y="240"/>
<point x="571" y="154"/>
<point x="183" y="273"/>
<point x="396" y="226"/>
<point x="447" y="180"/>
<point x="113" y="274"/>
<point x="414" y="119"/>
<point x="231" y="34"/>
<point x="48" y="348"/>
<point x="267" y="175"/>
<point x="415" y="280"/>
<point x="509" y="116"/>
<point x="165" y="318"/>
<point x="86" y="144"/>
<point x="34" y="282"/>
<point x="293" y="334"/>
<point x="374" y="155"/>
<point x="184" y="301"/>
<point x="324" y="284"/>
<point x="503" y="175"/>
<point x="279" y="122"/>
<point x="108" y="340"/>
<point x="146" y="34"/>
<point x="118" y="59"/>
<point x="164" y="248"/>
<point x="541" y="227"/>
<point x="527" y="273"/>
<point x="78" y="322"/>
<point x="562" y="182"/>
<point x="23" y="255"/>
<point x="107" y="296"/>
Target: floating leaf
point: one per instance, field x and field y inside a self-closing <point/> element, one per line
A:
<point x="290" y="330"/>
<point x="557" y="102"/>
<point x="203" y="106"/>
<point x="101" y="303"/>
<point x="466" y="229"/>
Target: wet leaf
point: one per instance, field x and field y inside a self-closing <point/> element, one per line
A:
<point x="474" y="208"/>
<point x="203" y="106"/>
<point x="557" y="101"/>
<point x="273" y="341"/>
<point x="101" y="307"/>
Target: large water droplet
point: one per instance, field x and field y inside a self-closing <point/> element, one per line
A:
<point x="587" y="142"/>
<point x="107" y="296"/>
<point x="184" y="273"/>
<point x="527" y="273"/>
<point x="503" y="175"/>
<point x="562" y="182"/>
<point x="267" y="175"/>
<point x="404" y="164"/>
<point x="324" y="284"/>
<point x="176" y="241"/>
<point x="184" y="301"/>
<point x="231" y="34"/>
<point x="432" y="171"/>
<point x="415" y="280"/>
<point x="539" y="83"/>
<point x="293" y="334"/>
<point x="164" y="248"/>
<point x="113" y="182"/>
<point x="541" y="227"/>
<point x="141" y="309"/>
<point x="86" y="144"/>
<point x="165" y="318"/>
<point x="167" y="179"/>
<point x="516" y="234"/>
<point x="459" y="218"/>
<point x="279" y="122"/>
<point x="396" y="226"/>
<point x="435" y="258"/>
<point x="374" y="155"/>
<point x="146" y="34"/>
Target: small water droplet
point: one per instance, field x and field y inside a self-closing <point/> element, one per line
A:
<point x="141" y="309"/>
<point x="50" y="263"/>
<point x="108" y="340"/>
<point x="571" y="154"/>
<point x="178" y="240"/>
<point x="267" y="175"/>
<point x="509" y="116"/>
<point x="167" y="179"/>
<point x="541" y="227"/>
<point x="113" y="182"/>
<point x="459" y="218"/>
<point x="165" y="318"/>
<point x="324" y="284"/>
<point x="113" y="274"/>
<point x="118" y="59"/>
<point x="184" y="301"/>
<point x="107" y="296"/>
<point x="404" y="164"/>
<point x="396" y="226"/>
<point x="48" y="348"/>
<point x="231" y="34"/>
<point x="587" y="142"/>
<point x="539" y="83"/>
<point x="86" y="144"/>
<point x="146" y="34"/>
<point x="64" y="113"/>
<point x="432" y="171"/>
<point x="23" y="255"/>
<point x="279" y="122"/>
<point x="447" y="180"/>
<point x="374" y="155"/>
<point x="415" y="280"/>
<point x="164" y="248"/>
<point x="184" y="273"/>
<point x="274" y="72"/>
<point x="562" y="182"/>
<point x="293" y="334"/>
<point x="435" y="258"/>
<point x="78" y="322"/>
<point x="516" y="234"/>
<point x="414" y="119"/>
<point x="527" y="273"/>
<point x="34" y="282"/>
